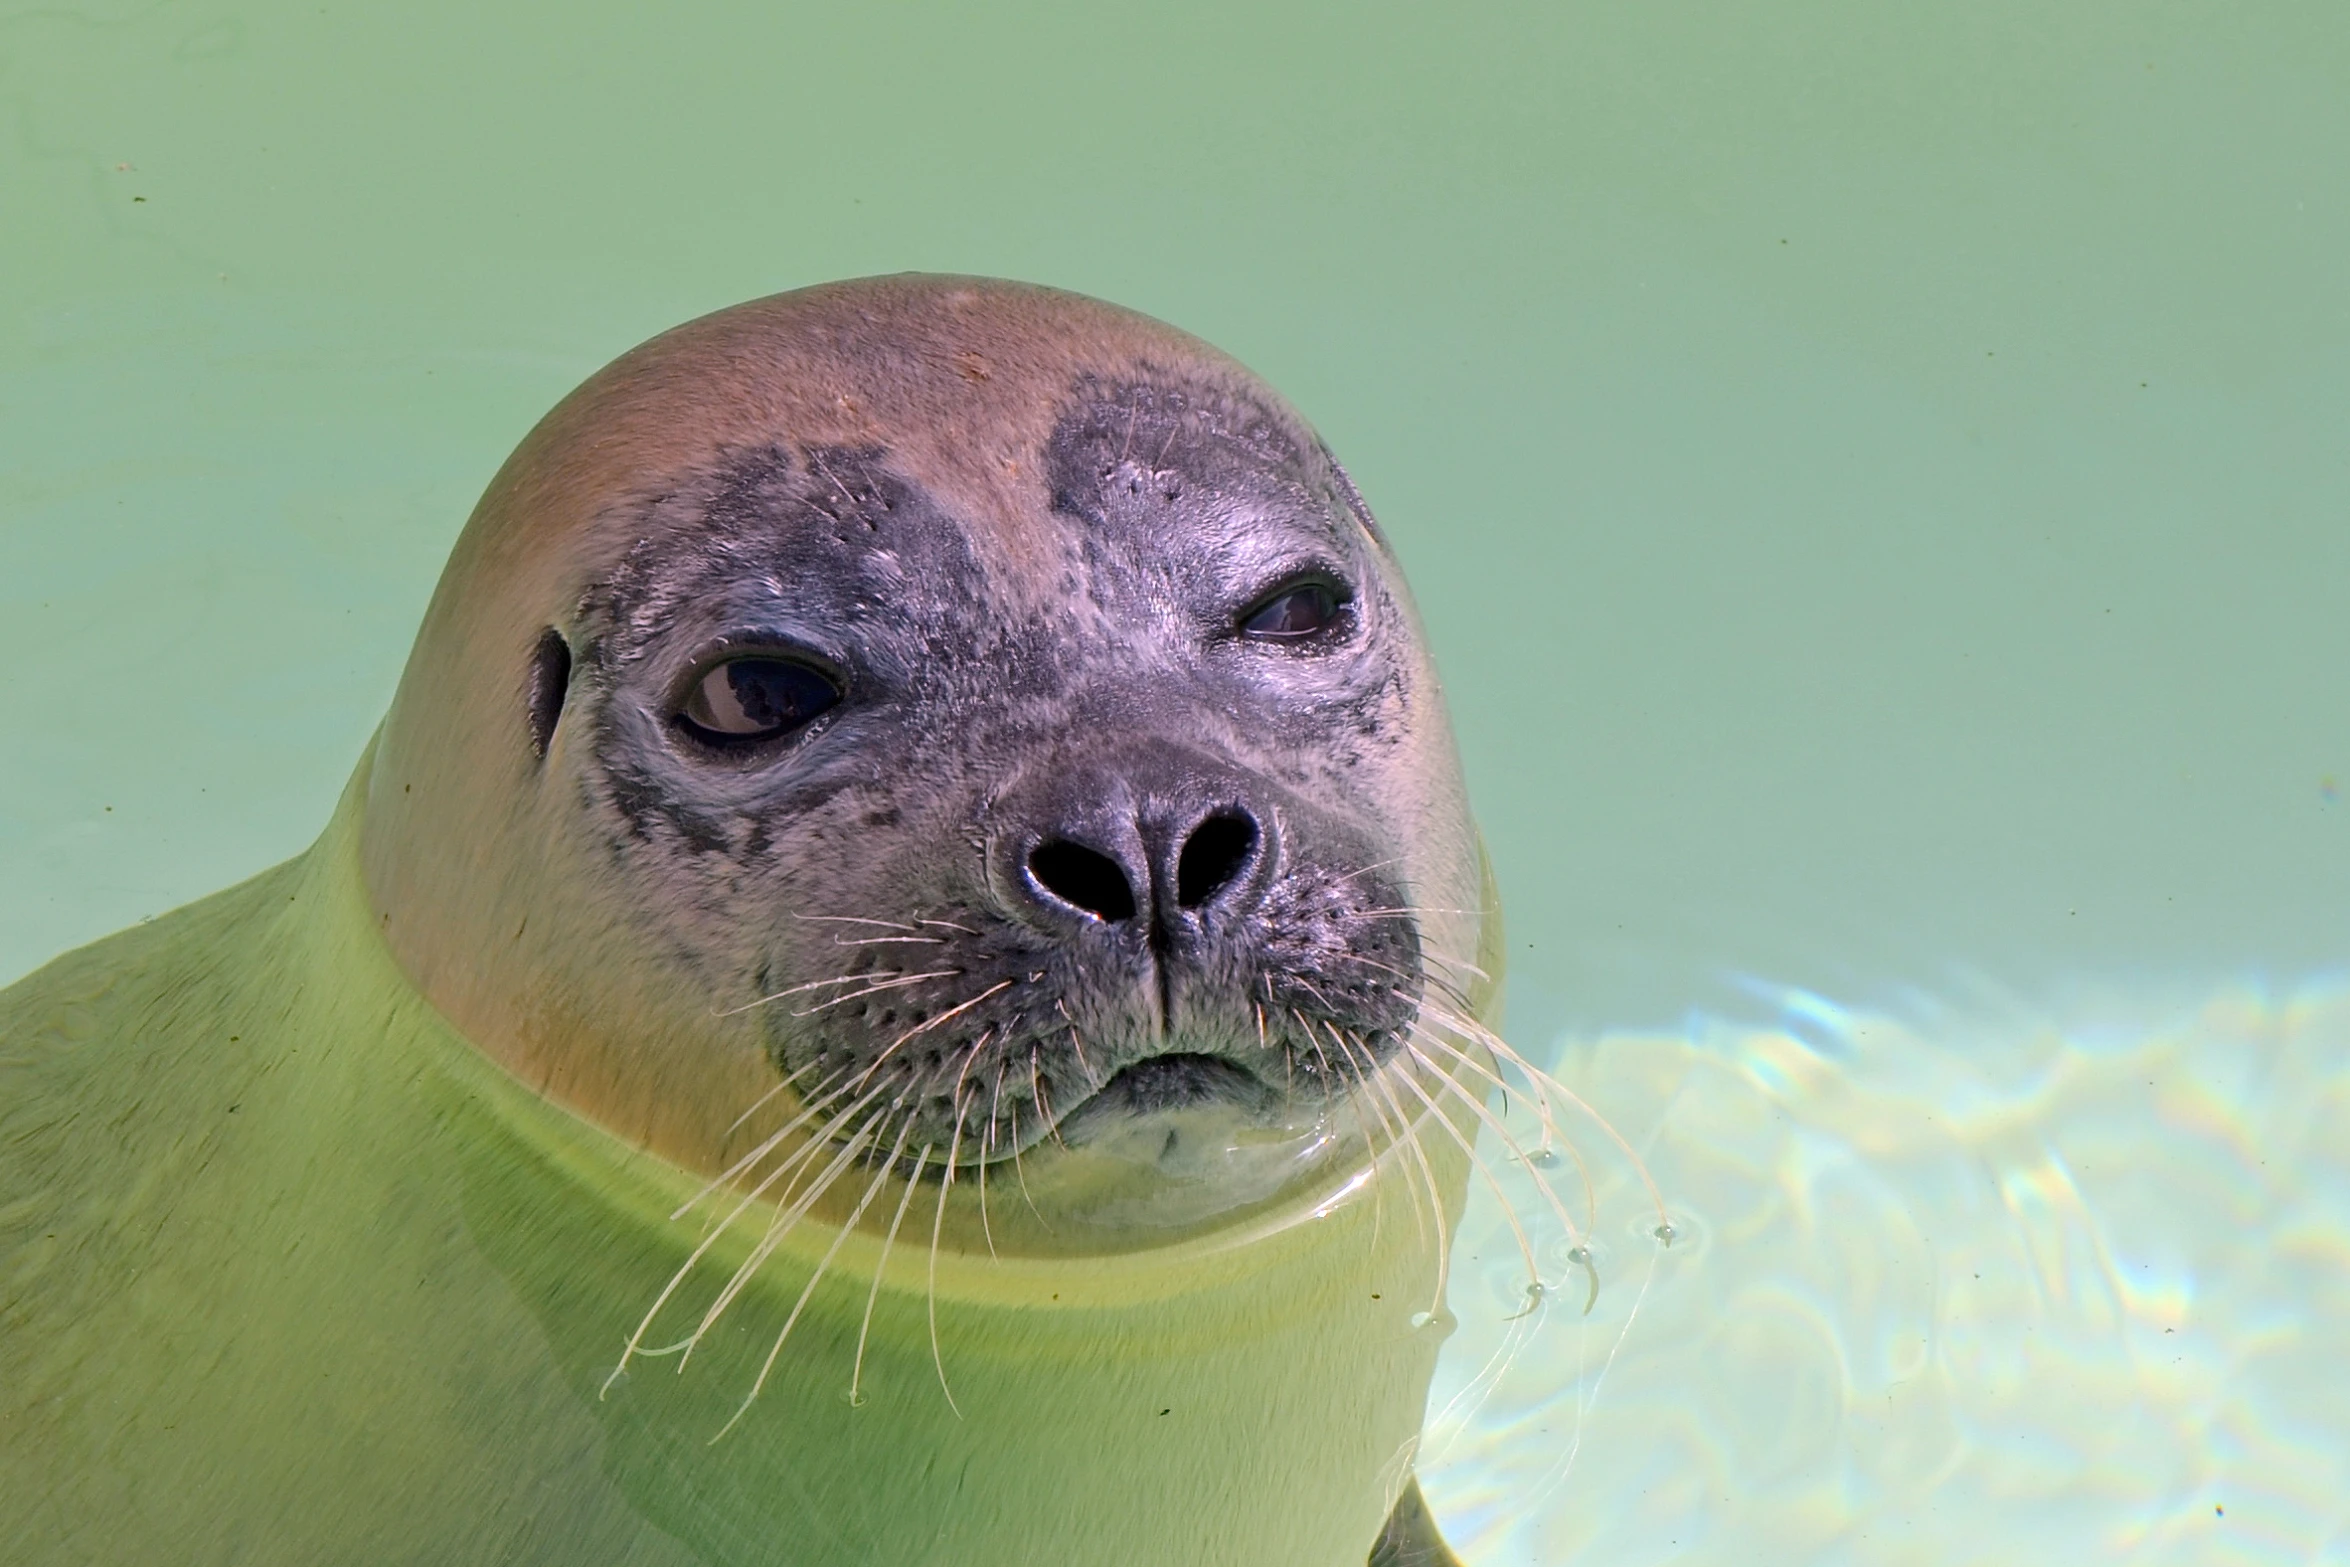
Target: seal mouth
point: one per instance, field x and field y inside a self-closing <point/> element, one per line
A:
<point x="1180" y="1080"/>
<point x="1178" y="1140"/>
<point x="1167" y="1084"/>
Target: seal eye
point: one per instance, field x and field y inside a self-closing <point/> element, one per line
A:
<point x="756" y="699"/>
<point x="1294" y="611"/>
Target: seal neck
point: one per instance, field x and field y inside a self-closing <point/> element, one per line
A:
<point x="1251" y="1396"/>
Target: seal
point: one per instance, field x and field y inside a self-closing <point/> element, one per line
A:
<point x="904" y="981"/>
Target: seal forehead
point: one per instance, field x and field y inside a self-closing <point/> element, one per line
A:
<point x="963" y="382"/>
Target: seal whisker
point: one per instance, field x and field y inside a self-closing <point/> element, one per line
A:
<point x="1396" y="1130"/>
<point x="987" y="1150"/>
<point x="884" y="941"/>
<point x="1378" y="1162"/>
<point x="888" y="1240"/>
<point x="1552" y="1135"/>
<point x="848" y="1227"/>
<point x="1453" y="994"/>
<point x="1462" y="964"/>
<point x="812" y="1147"/>
<point x="1460" y="1017"/>
<point x="1330" y="1074"/>
<point x="1375" y="1127"/>
<point x="971" y="1055"/>
<point x="1435" y="1189"/>
<point x="767" y="1145"/>
<point x="850" y="919"/>
<point x="780" y="1226"/>
<point x="1044" y="1109"/>
<point x="781" y="1083"/>
<point x="1365" y="870"/>
<point x="1020" y="1171"/>
<point x="1509" y="1210"/>
<point x="899" y="983"/>
<point x="938" y="1221"/>
<point x="802" y="1159"/>
<point x="948" y="925"/>
<point x="813" y="984"/>
<point x="1330" y="1009"/>
<point x="816" y="461"/>
<point x="1544" y="1082"/>
<point x="970" y="1052"/>
<point x="1174" y="428"/>
<point x="996" y="989"/>
<point x="635" y="1344"/>
<point x="1422" y="982"/>
<point x="1389" y="968"/>
<point x="1575" y="1236"/>
<point x="1076" y="1044"/>
<point x="797" y="1159"/>
<point x="1375" y="1084"/>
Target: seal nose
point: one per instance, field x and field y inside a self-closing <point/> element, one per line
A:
<point x="1141" y="869"/>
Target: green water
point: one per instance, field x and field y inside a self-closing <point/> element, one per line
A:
<point x="1876" y="478"/>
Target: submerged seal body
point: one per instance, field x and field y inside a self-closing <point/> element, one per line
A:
<point x="896" y="986"/>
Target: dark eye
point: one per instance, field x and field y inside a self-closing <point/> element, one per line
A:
<point x="756" y="699"/>
<point x="1295" y="610"/>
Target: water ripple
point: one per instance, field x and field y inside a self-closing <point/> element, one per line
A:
<point x="2021" y="1289"/>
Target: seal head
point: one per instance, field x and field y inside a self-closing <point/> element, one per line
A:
<point x="956" y="714"/>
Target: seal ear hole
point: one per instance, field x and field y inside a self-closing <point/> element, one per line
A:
<point x="550" y="682"/>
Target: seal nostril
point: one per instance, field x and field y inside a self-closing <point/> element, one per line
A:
<point x="1215" y="853"/>
<point x="1080" y="876"/>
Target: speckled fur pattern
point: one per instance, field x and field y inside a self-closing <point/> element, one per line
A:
<point x="975" y="712"/>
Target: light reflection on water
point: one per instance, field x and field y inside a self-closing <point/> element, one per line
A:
<point x="1947" y="1287"/>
